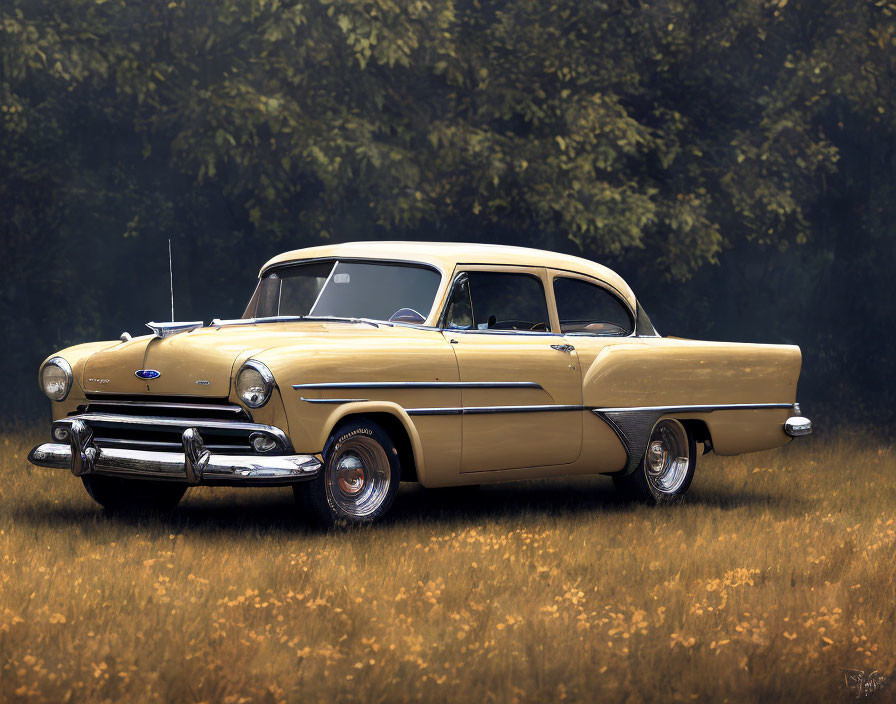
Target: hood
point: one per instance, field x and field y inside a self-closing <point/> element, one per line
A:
<point x="195" y="363"/>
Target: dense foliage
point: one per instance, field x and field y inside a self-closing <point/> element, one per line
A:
<point x="732" y="159"/>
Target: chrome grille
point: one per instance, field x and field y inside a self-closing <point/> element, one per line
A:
<point x="158" y="423"/>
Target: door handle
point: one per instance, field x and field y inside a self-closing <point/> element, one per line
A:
<point x="563" y="348"/>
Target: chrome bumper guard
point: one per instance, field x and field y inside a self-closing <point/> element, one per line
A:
<point x="796" y="426"/>
<point x="196" y="465"/>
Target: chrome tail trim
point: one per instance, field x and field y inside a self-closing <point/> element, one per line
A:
<point x="699" y="408"/>
<point x="634" y="424"/>
<point x="421" y="385"/>
<point x="798" y="426"/>
<point x="479" y="410"/>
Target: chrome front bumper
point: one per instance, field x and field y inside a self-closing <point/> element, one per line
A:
<point x="195" y="465"/>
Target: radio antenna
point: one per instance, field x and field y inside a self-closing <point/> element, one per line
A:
<point x="171" y="278"/>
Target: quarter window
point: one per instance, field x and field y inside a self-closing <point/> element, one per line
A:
<point x="484" y="300"/>
<point x="587" y="309"/>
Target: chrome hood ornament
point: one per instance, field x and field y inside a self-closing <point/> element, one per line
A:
<point x="169" y="329"/>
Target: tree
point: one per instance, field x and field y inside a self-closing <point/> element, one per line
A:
<point x="660" y="137"/>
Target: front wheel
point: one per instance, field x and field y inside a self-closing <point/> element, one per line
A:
<point x="359" y="479"/>
<point x="118" y="495"/>
<point x="668" y="466"/>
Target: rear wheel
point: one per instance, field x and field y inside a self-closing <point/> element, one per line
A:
<point x="117" y="495"/>
<point x="359" y="479"/>
<point x="668" y="466"/>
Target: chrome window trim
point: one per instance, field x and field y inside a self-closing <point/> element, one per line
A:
<point x="66" y="368"/>
<point x="319" y="293"/>
<point x="530" y="333"/>
<point x="421" y="385"/>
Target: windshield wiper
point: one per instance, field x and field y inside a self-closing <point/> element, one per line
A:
<point x="339" y="319"/>
<point x="217" y="322"/>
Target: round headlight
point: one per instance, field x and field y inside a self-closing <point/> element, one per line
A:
<point x="254" y="384"/>
<point x="56" y="379"/>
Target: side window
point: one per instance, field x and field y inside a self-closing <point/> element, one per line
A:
<point x="588" y="309"/>
<point x="484" y="300"/>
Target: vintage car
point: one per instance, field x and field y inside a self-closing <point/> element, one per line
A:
<point x="357" y="366"/>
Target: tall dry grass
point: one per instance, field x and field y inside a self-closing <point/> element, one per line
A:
<point x="777" y="571"/>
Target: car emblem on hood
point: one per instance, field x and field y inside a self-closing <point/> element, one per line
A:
<point x="147" y="374"/>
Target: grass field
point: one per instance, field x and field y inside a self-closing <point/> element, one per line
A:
<point x="777" y="571"/>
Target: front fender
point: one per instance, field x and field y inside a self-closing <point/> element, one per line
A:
<point x="339" y="413"/>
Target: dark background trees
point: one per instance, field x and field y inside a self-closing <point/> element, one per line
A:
<point x="733" y="160"/>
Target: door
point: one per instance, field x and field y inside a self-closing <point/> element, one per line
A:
<point x="521" y="387"/>
<point x="590" y="316"/>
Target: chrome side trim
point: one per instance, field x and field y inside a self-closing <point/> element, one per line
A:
<point x="184" y="423"/>
<point x="708" y="408"/>
<point x="333" y="400"/>
<point x="219" y="469"/>
<point x="169" y="329"/>
<point x="421" y="385"/>
<point x="434" y="411"/>
<point x="480" y="410"/>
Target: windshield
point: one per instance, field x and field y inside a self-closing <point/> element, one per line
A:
<point x="346" y="289"/>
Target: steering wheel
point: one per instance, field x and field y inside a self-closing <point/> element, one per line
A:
<point x="407" y="315"/>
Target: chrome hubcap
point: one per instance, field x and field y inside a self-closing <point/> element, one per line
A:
<point x="350" y="475"/>
<point x="667" y="459"/>
<point x="358" y="477"/>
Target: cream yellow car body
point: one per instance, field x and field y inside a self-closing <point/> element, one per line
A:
<point x="471" y="406"/>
